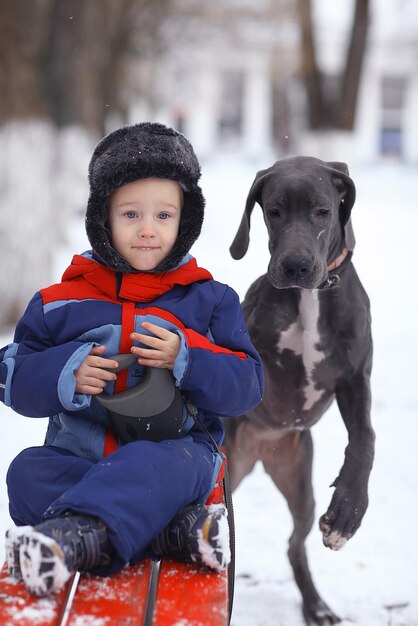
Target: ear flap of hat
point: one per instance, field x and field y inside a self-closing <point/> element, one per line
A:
<point x="345" y="185"/>
<point x="242" y="239"/>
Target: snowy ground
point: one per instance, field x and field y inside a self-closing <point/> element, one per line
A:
<point x="373" y="581"/>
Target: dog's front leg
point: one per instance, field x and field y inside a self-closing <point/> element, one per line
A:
<point x="350" y="499"/>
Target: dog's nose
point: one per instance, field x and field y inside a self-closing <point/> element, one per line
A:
<point x="297" y="267"/>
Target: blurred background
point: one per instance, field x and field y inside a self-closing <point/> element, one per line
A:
<point x="258" y="80"/>
<point x="248" y="82"/>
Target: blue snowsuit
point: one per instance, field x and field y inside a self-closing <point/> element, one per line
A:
<point x="137" y="488"/>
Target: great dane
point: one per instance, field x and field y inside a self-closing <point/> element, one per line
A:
<point x="309" y="318"/>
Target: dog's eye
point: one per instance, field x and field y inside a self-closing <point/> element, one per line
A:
<point x="273" y="213"/>
<point x="322" y="212"/>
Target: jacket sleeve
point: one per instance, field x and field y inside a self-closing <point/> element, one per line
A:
<point x="36" y="376"/>
<point x="221" y="373"/>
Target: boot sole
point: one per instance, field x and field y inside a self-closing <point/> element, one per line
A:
<point x="42" y="563"/>
<point x="14" y="539"/>
<point x="213" y="539"/>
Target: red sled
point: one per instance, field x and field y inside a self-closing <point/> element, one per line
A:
<point x="152" y="593"/>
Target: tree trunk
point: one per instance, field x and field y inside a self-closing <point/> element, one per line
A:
<point x="323" y="111"/>
<point x="345" y="111"/>
<point x="310" y="71"/>
<point x="83" y="62"/>
<point x="23" y="39"/>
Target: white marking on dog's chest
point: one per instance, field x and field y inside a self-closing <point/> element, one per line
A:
<point x="302" y="337"/>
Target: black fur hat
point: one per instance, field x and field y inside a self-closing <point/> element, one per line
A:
<point x="147" y="150"/>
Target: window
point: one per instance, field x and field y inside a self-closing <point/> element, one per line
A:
<point x="230" y="120"/>
<point x="393" y="102"/>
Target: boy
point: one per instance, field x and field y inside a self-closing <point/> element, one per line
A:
<point x="83" y="501"/>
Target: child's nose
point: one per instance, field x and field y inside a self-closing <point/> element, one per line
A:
<point x="146" y="229"/>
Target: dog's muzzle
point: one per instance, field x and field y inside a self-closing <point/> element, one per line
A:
<point x="296" y="270"/>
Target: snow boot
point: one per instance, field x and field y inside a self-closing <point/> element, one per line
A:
<point x="199" y="534"/>
<point x="45" y="556"/>
<point x="13" y="543"/>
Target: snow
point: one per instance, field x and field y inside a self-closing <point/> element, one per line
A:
<point x="40" y="613"/>
<point x="373" y="581"/>
<point x="89" y="620"/>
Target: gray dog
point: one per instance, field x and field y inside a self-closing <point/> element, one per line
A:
<point x="309" y="318"/>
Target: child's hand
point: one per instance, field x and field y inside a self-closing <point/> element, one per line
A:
<point x="92" y="375"/>
<point x="165" y="346"/>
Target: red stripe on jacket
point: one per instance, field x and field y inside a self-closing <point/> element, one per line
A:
<point x="163" y="314"/>
<point x="127" y="327"/>
<point x="196" y="340"/>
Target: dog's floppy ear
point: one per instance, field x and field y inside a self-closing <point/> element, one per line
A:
<point x="345" y="185"/>
<point x="242" y="239"/>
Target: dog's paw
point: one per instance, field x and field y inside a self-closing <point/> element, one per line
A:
<point x="333" y="539"/>
<point x="317" y="613"/>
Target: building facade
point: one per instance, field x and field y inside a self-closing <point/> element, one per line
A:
<point x="232" y="83"/>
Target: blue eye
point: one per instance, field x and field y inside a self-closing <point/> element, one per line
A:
<point x="130" y="214"/>
<point x="163" y="216"/>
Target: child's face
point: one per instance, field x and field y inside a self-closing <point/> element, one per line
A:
<point x="144" y="218"/>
